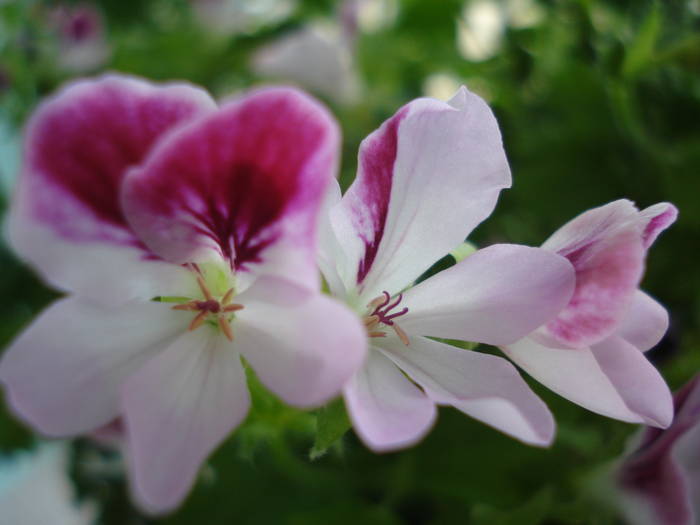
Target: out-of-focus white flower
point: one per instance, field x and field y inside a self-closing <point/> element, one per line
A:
<point x="440" y="86"/>
<point x="240" y="16"/>
<point x="82" y="45"/>
<point x="35" y="489"/>
<point x="375" y="15"/>
<point x="524" y="13"/>
<point x="480" y="30"/>
<point x="316" y="57"/>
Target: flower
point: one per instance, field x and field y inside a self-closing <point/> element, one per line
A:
<point x="426" y="178"/>
<point x="81" y="40"/>
<point x="592" y="352"/>
<point x="132" y="191"/>
<point x="659" y="479"/>
<point x="35" y="488"/>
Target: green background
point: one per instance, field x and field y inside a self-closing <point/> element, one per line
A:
<point x="598" y="100"/>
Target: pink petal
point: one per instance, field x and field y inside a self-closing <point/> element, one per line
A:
<point x="245" y="183"/>
<point x="656" y="219"/>
<point x="495" y="296"/>
<point x="426" y="178"/>
<point x="66" y="217"/>
<point x="64" y="372"/>
<point x="388" y="412"/>
<point x="178" y="408"/>
<point x="605" y="246"/>
<point x="486" y="387"/>
<point x="303" y="349"/>
<point x="613" y="378"/>
<point x="645" y="324"/>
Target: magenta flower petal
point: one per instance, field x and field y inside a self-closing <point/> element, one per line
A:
<point x="245" y="183"/>
<point x="387" y="410"/>
<point x="660" y="477"/>
<point x="486" y="387"/>
<point x="64" y="372"/>
<point x="303" y="349"/>
<point x="426" y="178"/>
<point x="178" y="407"/>
<point x="656" y="219"/>
<point x="495" y="296"/>
<point x="605" y="246"/>
<point x="66" y="217"/>
<point x="612" y="378"/>
<point x="645" y="324"/>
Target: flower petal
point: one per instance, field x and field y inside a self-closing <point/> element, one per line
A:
<point x="178" y="407"/>
<point x="66" y="217"/>
<point x="64" y="372"/>
<point x="387" y="410"/>
<point x="245" y="183"/>
<point x="656" y="219"/>
<point x="612" y="378"/>
<point x="645" y="324"/>
<point x="426" y="178"/>
<point x="486" y="387"/>
<point x="304" y="349"/>
<point x="495" y="296"/>
<point x="605" y="246"/>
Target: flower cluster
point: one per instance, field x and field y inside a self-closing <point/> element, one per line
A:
<point x="188" y="237"/>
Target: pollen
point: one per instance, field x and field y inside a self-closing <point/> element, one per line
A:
<point x="380" y="315"/>
<point x="211" y="309"/>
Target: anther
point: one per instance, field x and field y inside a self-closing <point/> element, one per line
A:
<point x="191" y="306"/>
<point x="401" y="334"/>
<point x="198" y="320"/>
<point x="205" y="290"/>
<point x="227" y="297"/>
<point x="233" y="307"/>
<point x="376" y="334"/>
<point x="226" y="328"/>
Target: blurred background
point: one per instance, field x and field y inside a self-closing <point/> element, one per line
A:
<point x="597" y="100"/>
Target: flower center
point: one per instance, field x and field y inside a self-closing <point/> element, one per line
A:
<point x="219" y="311"/>
<point x="379" y="315"/>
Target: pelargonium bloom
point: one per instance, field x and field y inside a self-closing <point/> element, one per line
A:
<point x="659" y="479"/>
<point x="426" y="178"/>
<point x="132" y="191"/>
<point x="592" y="352"/>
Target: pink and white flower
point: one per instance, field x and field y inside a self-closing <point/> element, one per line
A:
<point x="592" y="352"/>
<point x="132" y="191"/>
<point x="426" y="178"/>
<point x="659" y="479"/>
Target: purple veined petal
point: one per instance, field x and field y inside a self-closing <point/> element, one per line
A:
<point x="645" y="324"/>
<point x="66" y="218"/>
<point x="485" y="387"/>
<point x="656" y="219"/>
<point x="304" y="349"/>
<point x="387" y="410"/>
<point x="64" y="372"/>
<point x="178" y="408"/>
<point x="687" y="454"/>
<point x="605" y="247"/>
<point x="495" y="296"/>
<point x="245" y="183"/>
<point x="613" y="378"/>
<point x="426" y="178"/>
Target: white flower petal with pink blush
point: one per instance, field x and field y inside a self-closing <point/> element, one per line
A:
<point x="591" y="352"/>
<point x="218" y="218"/>
<point x="426" y="179"/>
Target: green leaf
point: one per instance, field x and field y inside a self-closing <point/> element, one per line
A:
<point x="331" y="423"/>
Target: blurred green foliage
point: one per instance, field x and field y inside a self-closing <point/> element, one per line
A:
<point x="597" y="100"/>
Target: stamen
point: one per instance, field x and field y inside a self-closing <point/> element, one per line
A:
<point x="401" y="334"/>
<point x="376" y="334"/>
<point x="205" y="290"/>
<point x="198" y="320"/>
<point x="226" y="328"/>
<point x="233" y="307"/>
<point x="227" y="297"/>
<point x="191" y="306"/>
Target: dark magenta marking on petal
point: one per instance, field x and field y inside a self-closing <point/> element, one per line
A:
<point x="377" y="158"/>
<point x="81" y="143"/>
<point x="234" y="177"/>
